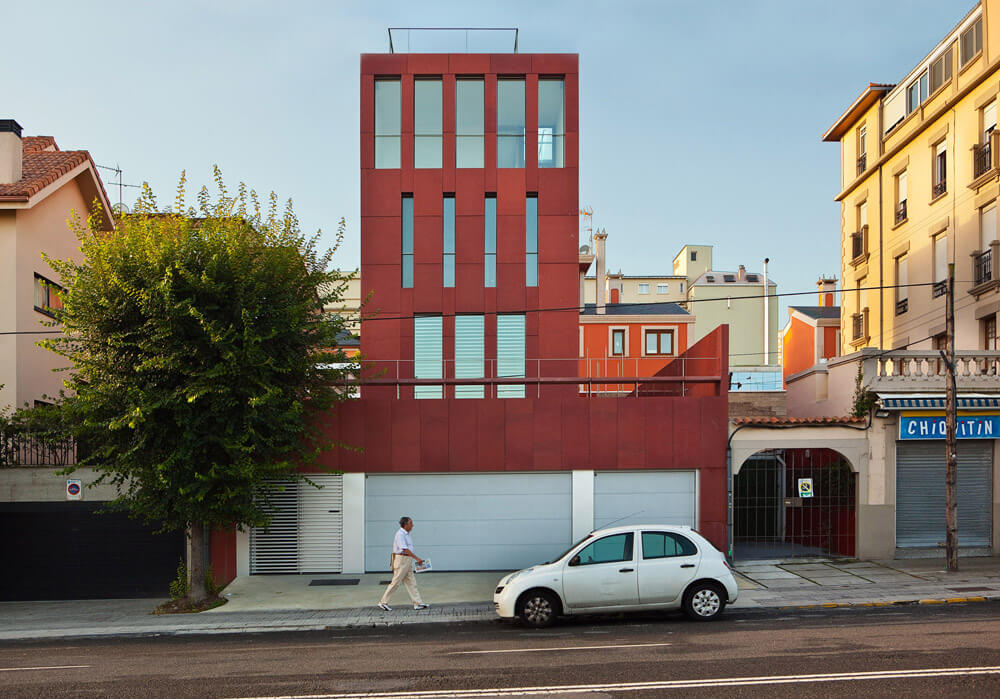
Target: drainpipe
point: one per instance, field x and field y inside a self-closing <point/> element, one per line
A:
<point x="767" y="343"/>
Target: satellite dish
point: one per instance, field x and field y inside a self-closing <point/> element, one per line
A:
<point x="585" y="249"/>
<point x="120" y="208"/>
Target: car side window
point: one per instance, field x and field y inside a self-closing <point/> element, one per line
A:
<point x="611" y="549"/>
<point x="666" y="545"/>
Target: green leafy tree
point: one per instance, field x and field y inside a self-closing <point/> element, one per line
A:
<point x="200" y="353"/>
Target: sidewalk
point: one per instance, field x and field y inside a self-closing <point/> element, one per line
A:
<point x="311" y="603"/>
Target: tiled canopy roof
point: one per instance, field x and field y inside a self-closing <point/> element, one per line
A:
<point x="786" y="421"/>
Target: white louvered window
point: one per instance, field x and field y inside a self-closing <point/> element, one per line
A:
<point x="427" y="354"/>
<point x="510" y="354"/>
<point x="469" y="353"/>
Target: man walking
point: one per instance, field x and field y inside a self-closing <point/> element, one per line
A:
<point x="402" y="567"/>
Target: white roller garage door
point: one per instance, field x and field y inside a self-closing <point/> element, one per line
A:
<point x="306" y="530"/>
<point x="470" y="521"/>
<point x="645" y="497"/>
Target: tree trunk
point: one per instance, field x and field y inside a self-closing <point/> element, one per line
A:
<point x="197" y="592"/>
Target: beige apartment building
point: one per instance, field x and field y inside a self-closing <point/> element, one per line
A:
<point x="41" y="187"/>
<point x="919" y="185"/>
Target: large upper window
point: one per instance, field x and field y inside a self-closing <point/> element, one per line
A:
<point x="972" y="41"/>
<point x="47" y="300"/>
<point x="551" y="123"/>
<point x="490" y="242"/>
<point x="659" y="342"/>
<point x="531" y="241"/>
<point x="916" y="93"/>
<point x="469" y="353"/>
<point x="941" y="70"/>
<point x="427" y="123"/>
<point x="510" y="354"/>
<point x="469" y="129"/>
<point x="388" y="111"/>
<point x="448" y="241"/>
<point x="510" y="122"/>
<point x="407" y="243"/>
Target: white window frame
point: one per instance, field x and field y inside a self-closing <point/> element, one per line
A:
<point x="662" y="288"/>
<point x="639" y="288"/>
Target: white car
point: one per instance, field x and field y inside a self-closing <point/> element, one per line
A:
<point x="628" y="568"/>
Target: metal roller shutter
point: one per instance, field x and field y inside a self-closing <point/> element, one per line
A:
<point x="306" y="530"/>
<point x="470" y="521"/>
<point x="920" y="494"/>
<point x="645" y="497"/>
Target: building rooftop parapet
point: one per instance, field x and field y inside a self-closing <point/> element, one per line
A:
<point x="453" y="39"/>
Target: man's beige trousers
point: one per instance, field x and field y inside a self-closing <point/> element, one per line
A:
<point x="402" y="572"/>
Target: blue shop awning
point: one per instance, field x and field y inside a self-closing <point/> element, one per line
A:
<point x="935" y="401"/>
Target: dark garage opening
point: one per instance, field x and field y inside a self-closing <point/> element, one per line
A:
<point x="67" y="550"/>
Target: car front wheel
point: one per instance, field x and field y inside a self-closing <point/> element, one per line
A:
<point x="538" y="608"/>
<point x="704" y="601"/>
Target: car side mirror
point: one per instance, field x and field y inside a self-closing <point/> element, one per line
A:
<point x="574" y="561"/>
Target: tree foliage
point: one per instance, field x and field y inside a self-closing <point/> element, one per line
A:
<point x="200" y="350"/>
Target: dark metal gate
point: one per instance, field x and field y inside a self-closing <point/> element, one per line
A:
<point x="794" y="502"/>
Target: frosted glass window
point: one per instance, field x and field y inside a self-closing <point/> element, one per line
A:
<point x="490" y="242"/>
<point x="510" y="123"/>
<point x="427" y="354"/>
<point x="388" y="114"/>
<point x="470" y="355"/>
<point x="551" y="123"/>
<point x="531" y="242"/>
<point x="427" y="124"/>
<point x="448" y="242"/>
<point x="510" y="354"/>
<point x="469" y="123"/>
<point x="407" y="243"/>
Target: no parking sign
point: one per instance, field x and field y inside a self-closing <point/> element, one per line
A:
<point x="74" y="489"/>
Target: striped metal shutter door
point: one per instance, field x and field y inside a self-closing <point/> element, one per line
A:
<point x="469" y="354"/>
<point x="306" y="531"/>
<point x="427" y="354"/>
<point x="510" y="354"/>
<point x="920" y="494"/>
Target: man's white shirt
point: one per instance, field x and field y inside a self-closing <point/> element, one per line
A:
<point x="402" y="541"/>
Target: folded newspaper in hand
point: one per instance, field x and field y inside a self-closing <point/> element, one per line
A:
<point x="423" y="567"/>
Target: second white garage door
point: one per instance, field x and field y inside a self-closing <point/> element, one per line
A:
<point x="480" y="521"/>
<point x="645" y="497"/>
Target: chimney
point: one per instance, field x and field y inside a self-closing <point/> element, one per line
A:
<point x="741" y="275"/>
<point x="827" y="288"/>
<point x="600" y="236"/>
<point x="10" y="151"/>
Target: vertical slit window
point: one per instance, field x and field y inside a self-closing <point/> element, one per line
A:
<point x="427" y="354"/>
<point x="427" y="123"/>
<point x="531" y="241"/>
<point x="407" y="243"/>
<point x="551" y="122"/>
<point x="510" y="354"/>
<point x="448" y="241"/>
<point x="510" y="122"/>
<point x="470" y="355"/>
<point x="490" y="242"/>
<point x="469" y="123"/>
<point x="388" y="114"/>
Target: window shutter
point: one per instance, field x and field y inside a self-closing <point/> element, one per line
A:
<point x="427" y="354"/>
<point x="510" y="354"/>
<point x="469" y="354"/>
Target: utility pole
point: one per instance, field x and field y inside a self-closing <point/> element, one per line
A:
<point x="951" y="427"/>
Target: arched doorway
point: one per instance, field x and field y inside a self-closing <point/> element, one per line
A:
<point x="794" y="503"/>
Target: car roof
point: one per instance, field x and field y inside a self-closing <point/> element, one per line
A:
<point x="632" y="527"/>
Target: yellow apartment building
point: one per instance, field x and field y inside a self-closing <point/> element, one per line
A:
<point x="919" y="188"/>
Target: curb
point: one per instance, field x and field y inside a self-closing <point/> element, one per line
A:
<point x="892" y="603"/>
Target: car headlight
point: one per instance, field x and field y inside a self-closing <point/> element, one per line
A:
<point x="509" y="578"/>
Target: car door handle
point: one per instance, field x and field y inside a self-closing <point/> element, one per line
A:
<point x="626" y="570"/>
<point x="687" y="565"/>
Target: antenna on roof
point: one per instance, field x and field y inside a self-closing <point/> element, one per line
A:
<point x="121" y="208"/>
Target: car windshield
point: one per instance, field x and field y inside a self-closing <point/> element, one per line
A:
<point x="564" y="553"/>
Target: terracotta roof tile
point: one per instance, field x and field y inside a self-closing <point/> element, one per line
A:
<point x="784" y="421"/>
<point x="34" y="144"/>
<point x="40" y="168"/>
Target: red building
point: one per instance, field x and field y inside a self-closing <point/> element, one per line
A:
<point x="471" y="418"/>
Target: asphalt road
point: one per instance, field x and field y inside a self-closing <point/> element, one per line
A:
<point x="948" y="650"/>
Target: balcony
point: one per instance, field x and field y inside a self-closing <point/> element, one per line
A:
<point x="940" y="188"/>
<point x="902" y="306"/>
<point x="939" y="288"/>
<point x="859" y="327"/>
<point x="862" y="163"/>
<point x="985" y="272"/>
<point x="859" y="246"/>
<point x="924" y="370"/>
<point x="984" y="162"/>
<point x="900" y="212"/>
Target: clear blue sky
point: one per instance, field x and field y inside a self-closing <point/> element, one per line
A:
<point x="700" y="122"/>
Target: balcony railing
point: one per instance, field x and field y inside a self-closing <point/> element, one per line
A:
<point x="859" y="243"/>
<point x="939" y="289"/>
<point x="982" y="158"/>
<point x="902" y="305"/>
<point x="858" y="326"/>
<point x="901" y="211"/>
<point x="914" y="370"/>
<point x="983" y="267"/>
<point x="862" y="163"/>
<point x="30" y="450"/>
<point x="940" y="188"/>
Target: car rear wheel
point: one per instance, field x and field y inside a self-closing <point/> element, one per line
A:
<point x="704" y="601"/>
<point x="538" y="608"/>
